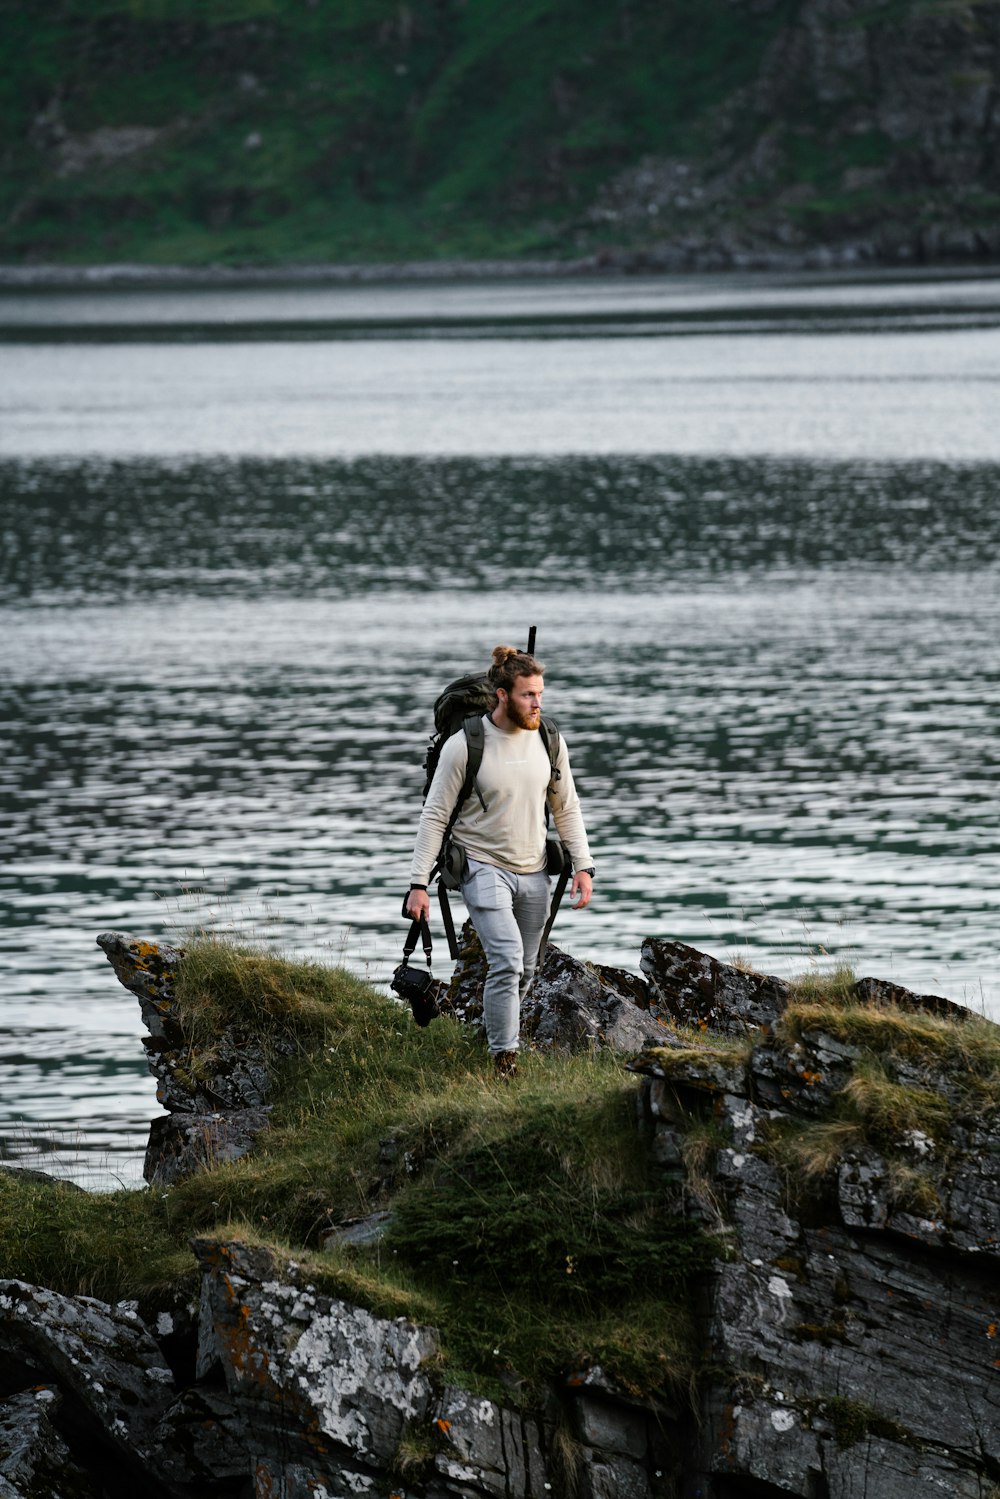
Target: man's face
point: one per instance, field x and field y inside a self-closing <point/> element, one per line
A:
<point x="524" y="702"/>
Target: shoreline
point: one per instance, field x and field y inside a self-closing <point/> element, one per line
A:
<point x="857" y="260"/>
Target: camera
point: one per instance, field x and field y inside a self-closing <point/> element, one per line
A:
<point x="419" y="989"/>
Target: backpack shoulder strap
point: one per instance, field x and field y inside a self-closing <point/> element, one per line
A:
<point x="552" y="740"/>
<point x="475" y="739"/>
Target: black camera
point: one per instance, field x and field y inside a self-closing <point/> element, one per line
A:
<point x="419" y="988"/>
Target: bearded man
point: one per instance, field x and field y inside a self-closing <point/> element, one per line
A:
<point x="502" y="829"/>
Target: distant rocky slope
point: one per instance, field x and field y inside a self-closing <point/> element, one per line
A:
<point x="626" y="133"/>
<point x="840" y="1146"/>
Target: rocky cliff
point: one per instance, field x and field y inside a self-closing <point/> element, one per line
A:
<point x="833" y="1146"/>
<point x="630" y="133"/>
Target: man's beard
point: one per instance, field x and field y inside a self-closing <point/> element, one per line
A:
<point x="521" y="720"/>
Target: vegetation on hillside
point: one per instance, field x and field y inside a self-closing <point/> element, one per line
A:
<point x="264" y="130"/>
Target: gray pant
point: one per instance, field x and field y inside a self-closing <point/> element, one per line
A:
<point x="509" y="912"/>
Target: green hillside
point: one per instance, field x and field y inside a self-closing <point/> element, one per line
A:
<point x="177" y="131"/>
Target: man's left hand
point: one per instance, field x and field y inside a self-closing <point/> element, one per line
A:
<point x="583" y="888"/>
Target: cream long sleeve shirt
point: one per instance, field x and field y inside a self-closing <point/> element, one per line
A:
<point x="513" y="780"/>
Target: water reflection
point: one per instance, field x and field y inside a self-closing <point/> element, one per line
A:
<point x="787" y="763"/>
<point x="777" y="675"/>
<point x="793" y="393"/>
<point x="118" y="531"/>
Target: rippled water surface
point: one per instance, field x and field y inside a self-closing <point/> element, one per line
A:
<point x="777" y="670"/>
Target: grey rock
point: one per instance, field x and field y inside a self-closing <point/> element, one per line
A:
<point x="276" y="1478"/>
<point x="695" y="989"/>
<point x="610" y="1427"/>
<point x="849" y="1322"/>
<point x="667" y="1147"/>
<point x="862" y="1190"/>
<point x="233" y="1074"/>
<point x="488" y="1448"/>
<point x="203" y="1436"/>
<point x="881" y="992"/>
<point x="843" y="1330"/>
<point x="609" y="1475"/>
<point x="767" y="1441"/>
<point x="902" y="1472"/>
<point x="180" y="1145"/>
<point x="325" y="1382"/>
<point x="569" y="1006"/>
<point x="218" y="1102"/>
<point x="103" y="1356"/>
<point x="573" y="1007"/>
<point x="806" y="1076"/>
<point x="464" y="996"/>
<point x="629" y="985"/>
<point x="362" y="1231"/>
<point x="969" y="1189"/>
<point x="35" y="1463"/>
<point x="687" y="1072"/>
<point x="148" y="970"/>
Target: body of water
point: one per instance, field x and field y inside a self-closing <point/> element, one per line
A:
<point x="246" y="537"/>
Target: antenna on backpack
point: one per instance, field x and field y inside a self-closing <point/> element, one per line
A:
<point x="532" y="632"/>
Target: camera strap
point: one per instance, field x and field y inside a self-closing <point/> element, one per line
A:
<point x="418" y="930"/>
<point x="557" y="896"/>
<point x="447" y="921"/>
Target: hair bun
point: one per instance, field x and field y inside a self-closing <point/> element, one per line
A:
<point x="502" y="653"/>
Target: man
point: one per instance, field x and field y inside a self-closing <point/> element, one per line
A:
<point x="501" y="829"/>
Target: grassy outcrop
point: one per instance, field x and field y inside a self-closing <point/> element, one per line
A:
<point x="526" y="1223"/>
<point x="530" y="1223"/>
<point x="921" y="1092"/>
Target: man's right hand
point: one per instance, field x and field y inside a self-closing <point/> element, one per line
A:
<point x="418" y="903"/>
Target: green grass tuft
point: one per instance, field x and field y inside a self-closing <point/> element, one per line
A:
<point x="889" y="1111"/>
<point x="110" y="1245"/>
<point x="967" y="1049"/>
<point x="825" y="986"/>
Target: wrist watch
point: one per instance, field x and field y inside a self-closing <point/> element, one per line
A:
<point x="591" y="871"/>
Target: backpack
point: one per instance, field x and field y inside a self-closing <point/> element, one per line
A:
<point x="467" y="697"/>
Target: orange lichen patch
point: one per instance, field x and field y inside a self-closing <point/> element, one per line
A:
<point x="991" y="1331"/>
<point x="811" y="1077"/>
<point x="443" y="1425"/>
<point x="727" y="1431"/>
<point x="246" y="1358"/>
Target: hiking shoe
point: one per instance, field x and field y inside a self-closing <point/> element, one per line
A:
<point x="505" y="1063"/>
